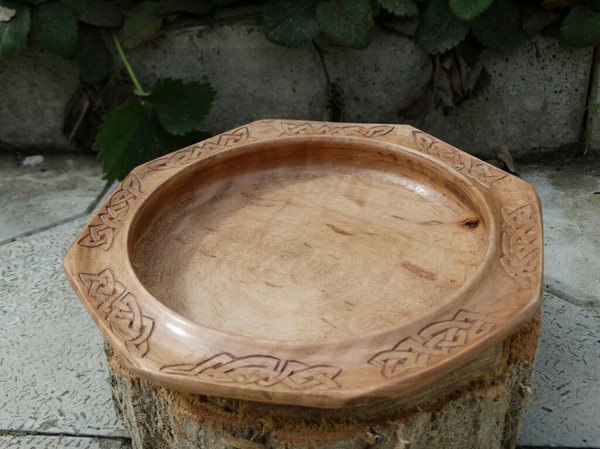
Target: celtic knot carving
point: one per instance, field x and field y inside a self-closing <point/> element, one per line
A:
<point x="327" y="129"/>
<point x="120" y="309"/>
<point x="432" y="343"/>
<point x="190" y="154"/>
<point x="520" y="254"/>
<point x="260" y="370"/>
<point x="106" y="224"/>
<point x="485" y="173"/>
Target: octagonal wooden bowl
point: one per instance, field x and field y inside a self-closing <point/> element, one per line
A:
<point x="310" y="263"/>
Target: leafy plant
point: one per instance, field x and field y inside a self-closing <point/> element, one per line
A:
<point x="442" y="24"/>
<point x="581" y="28"/>
<point x="152" y="123"/>
<point x="293" y="23"/>
<point x="149" y="123"/>
<point x="143" y="127"/>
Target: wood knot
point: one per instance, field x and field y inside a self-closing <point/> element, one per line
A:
<point x="471" y="223"/>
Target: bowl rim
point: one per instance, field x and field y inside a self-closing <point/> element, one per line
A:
<point x="335" y="372"/>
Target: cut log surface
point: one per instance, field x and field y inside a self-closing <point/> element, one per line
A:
<point x="477" y="406"/>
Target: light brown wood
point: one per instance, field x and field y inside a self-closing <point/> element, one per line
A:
<point x="310" y="263"/>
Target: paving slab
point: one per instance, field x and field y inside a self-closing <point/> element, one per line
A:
<point x="39" y="191"/>
<point x="61" y="442"/>
<point x="53" y="375"/>
<point x="570" y="196"/>
<point x="565" y="410"/>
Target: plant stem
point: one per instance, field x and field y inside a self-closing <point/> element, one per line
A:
<point x="139" y="90"/>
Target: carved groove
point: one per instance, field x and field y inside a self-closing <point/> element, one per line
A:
<point x="433" y="342"/>
<point x="106" y="224"/>
<point x="326" y="129"/>
<point x="120" y="309"/>
<point x="485" y="173"/>
<point x="260" y="370"/>
<point x="188" y="155"/>
<point x="520" y="253"/>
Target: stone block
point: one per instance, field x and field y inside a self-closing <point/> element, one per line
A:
<point x="536" y="100"/>
<point x="254" y="78"/>
<point x="35" y="87"/>
<point x="592" y="129"/>
<point x="376" y="81"/>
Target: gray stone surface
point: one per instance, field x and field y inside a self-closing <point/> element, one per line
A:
<point x="35" y="86"/>
<point x="565" y="410"/>
<point x="54" y="189"/>
<point x="53" y="378"/>
<point x="52" y="372"/>
<point x="592" y="129"/>
<point x="571" y="209"/>
<point x="376" y="81"/>
<point x="536" y="99"/>
<point x="254" y="78"/>
<point x="61" y="442"/>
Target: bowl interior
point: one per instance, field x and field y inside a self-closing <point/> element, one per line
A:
<point x="308" y="240"/>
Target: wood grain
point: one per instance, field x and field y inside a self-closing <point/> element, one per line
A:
<point x="294" y="246"/>
<point x="310" y="263"/>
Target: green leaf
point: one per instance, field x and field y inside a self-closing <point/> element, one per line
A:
<point x="94" y="59"/>
<point x="13" y="33"/>
<point x="469" y="9"/>
<point x="406" y="8"/>
<point x="180" y="106"/>
<point x="170" y="142"/>
<point x="440" y="30"/>
<point x="581" y="27"/>
<point x="126" y="140"/>
<point x="54" y="28"/>
<point x="290" y="23"/>
<point x="347" y="22"/>
<point x="97" y="12"/>
<point x="500" y="26"/>
<point x="142" y="23"/>
<point x="197" y="7"/>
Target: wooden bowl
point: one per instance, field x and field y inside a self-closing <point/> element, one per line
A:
<point x="309" y="263"/>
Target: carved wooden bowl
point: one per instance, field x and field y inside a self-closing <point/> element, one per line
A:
<point x="310" y="263"/>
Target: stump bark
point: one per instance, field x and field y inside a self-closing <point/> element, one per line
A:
<point x="472" y="409"/>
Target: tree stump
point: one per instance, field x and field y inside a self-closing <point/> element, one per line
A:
<point x="479" y="405"/>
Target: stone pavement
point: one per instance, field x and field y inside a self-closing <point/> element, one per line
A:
<point x="53" y="381"/>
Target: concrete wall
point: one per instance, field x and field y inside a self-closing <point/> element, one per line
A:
<point x="536" y="98"/>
